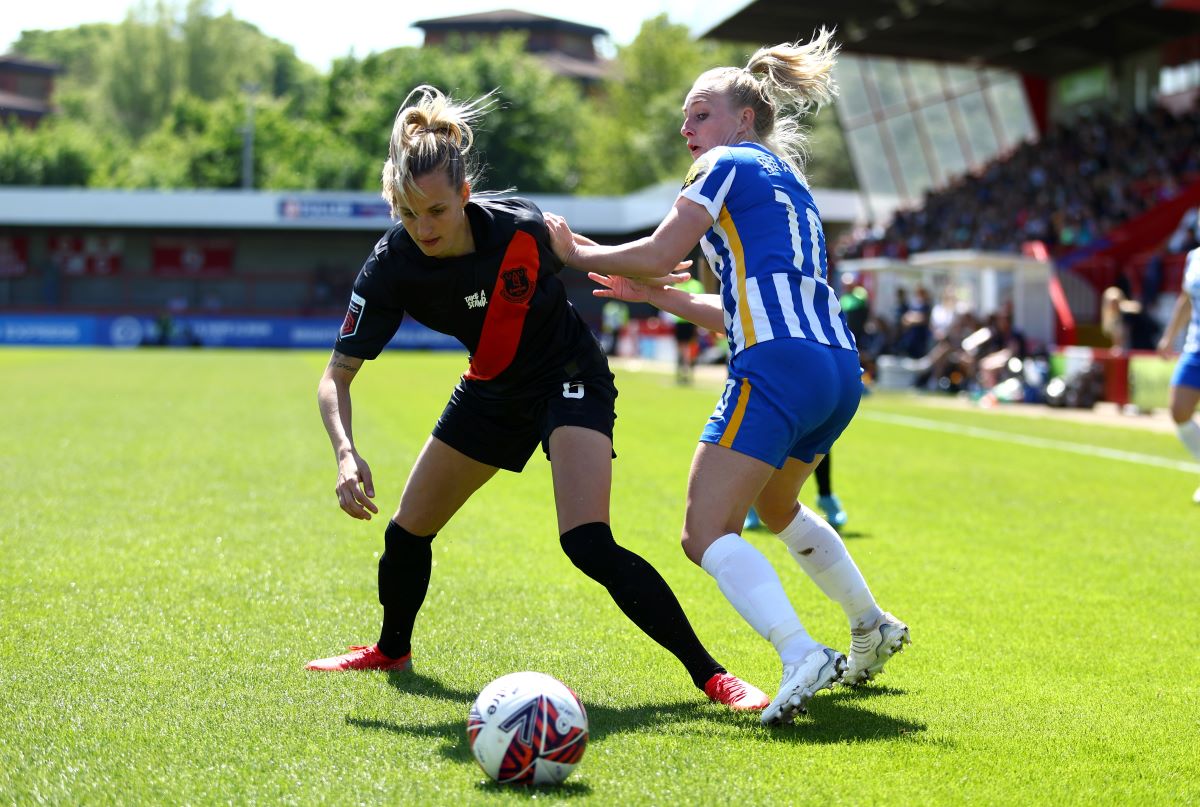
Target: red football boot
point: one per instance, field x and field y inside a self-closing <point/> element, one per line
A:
<point x="361" y="657"/>
<point x="735" y="693"/>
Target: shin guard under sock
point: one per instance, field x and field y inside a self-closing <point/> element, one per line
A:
<point x="404" y="570"/>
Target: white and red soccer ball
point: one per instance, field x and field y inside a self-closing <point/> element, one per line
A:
<point x="527" y="728"/>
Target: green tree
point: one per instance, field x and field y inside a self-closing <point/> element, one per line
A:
<point x="527" y="141"/>
<point x="140" y="72"/>
<point x="160" y="100"/>
<point x="60" y="152"/>
<point x="633" y="127"/>
<point x="128" y="76"/>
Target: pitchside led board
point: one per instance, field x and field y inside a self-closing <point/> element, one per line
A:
<point x="67" y="330"/>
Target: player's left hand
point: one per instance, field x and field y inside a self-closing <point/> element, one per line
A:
<point x="634" y="290"/>
<point x="562" y="240"/>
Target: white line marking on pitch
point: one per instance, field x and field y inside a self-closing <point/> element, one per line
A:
<point x="1035" y="442"/>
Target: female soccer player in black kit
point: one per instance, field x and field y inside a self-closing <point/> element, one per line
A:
<point x="482" y="270"/>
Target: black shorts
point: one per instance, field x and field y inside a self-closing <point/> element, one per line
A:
<point x="504" y="433"/>
<point x="685" y="331"/>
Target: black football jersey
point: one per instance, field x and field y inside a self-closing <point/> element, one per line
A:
<point x="503" y="302"/>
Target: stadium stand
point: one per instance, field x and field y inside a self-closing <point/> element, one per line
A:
<point x="1105" y="192"/>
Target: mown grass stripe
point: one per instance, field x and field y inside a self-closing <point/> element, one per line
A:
<point x="1029" y="440"/>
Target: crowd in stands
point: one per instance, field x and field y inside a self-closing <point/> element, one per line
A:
<point x="948" y="345"/>
<point x="1068" y="189"/>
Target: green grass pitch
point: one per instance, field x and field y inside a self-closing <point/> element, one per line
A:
<point x="171" y="553"/>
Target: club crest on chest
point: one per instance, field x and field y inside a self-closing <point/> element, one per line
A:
<point x="517" y="286"/>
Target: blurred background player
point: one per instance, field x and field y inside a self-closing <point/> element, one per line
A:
<point x="614" y="316"/>
<point x="1185" y="383"/>
<point x="794" y="378"/>
<point x="687" y="341"/>
<point x="482" y="269"/>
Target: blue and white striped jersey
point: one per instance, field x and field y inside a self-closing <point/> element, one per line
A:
<point x="1191" y="287"/>
<point x="767" y="247"/>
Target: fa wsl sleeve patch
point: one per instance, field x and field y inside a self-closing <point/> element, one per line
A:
<point x="353" y="316"/>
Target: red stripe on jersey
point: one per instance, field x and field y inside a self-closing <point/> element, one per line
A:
<point x="507" y="308"/>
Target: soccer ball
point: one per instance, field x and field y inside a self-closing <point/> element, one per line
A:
<point x="527" y="728"/>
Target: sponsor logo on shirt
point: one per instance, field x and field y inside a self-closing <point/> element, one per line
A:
<point x="476" y="300"/>
<point x="697" y="171"/>
<point x="353" y="316"/>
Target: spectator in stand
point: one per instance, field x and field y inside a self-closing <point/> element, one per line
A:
<point x="914" y="326"/>
<point x="899" y="310"/>
<point x="1126" y="323"/>
<point x="877" y="338"/>
<point x="948" y="365"/>
<point x="1002" y="344"/>
<point x="944" y="312"/>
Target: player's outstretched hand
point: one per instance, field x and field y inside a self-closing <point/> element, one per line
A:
<point x="355" y="489"/>
<point x="636" y="290"/>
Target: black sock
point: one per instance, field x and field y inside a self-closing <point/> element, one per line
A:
<point x="824" y="472"/>
<point x="404" y="571"/>
<point x="641" y="593"/>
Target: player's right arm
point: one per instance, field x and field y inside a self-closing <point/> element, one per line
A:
<point x="355" y="488"/>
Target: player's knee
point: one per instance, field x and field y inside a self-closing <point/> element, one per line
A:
<point x="1181" y="414"/>
<point x="692" y="547"/>
<point x="777" y="515"/>
<point x="590" y="547"/>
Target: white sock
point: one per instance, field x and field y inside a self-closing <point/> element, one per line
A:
<point x="1189" y="433"/>
<point x="750" y="583"/>
<point x="822" y="555"/>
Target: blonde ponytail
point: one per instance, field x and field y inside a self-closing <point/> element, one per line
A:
<point x="781" y="83"/>
<point x="431" y="131"/>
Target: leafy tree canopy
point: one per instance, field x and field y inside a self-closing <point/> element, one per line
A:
<point x="167" y="97"/>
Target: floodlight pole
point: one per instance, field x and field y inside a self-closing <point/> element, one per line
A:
<point x="248" y="138"/>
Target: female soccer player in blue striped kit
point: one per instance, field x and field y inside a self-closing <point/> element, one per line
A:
<point x="794" y="377"/>
<point x="1185" y="383"/>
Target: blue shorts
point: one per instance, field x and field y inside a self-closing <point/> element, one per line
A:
<point x="1187" y="371"/>
<point x="786" y="398"/>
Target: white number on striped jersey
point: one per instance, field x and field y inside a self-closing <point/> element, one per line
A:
<point x="729" y="385"/>
<point x="814" y="231"/>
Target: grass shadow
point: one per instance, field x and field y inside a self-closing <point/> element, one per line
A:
<point x="836" y="717"/>
<point x="840" y="717"/>
<point x="854" y="534"/>
<point x="567" y="790"/>
<point x="865" y="692"/>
